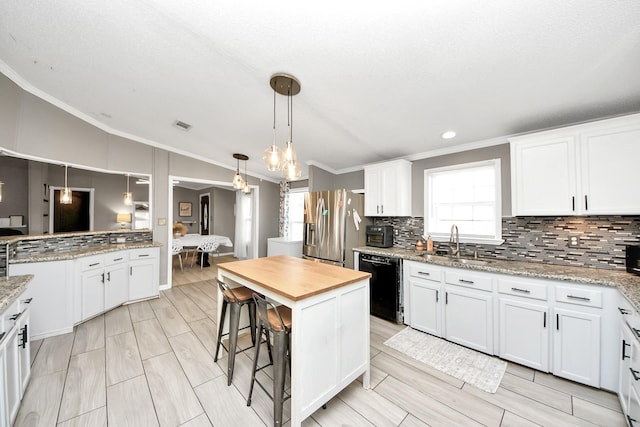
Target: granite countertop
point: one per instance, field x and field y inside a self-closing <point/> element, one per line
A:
<point x="11" y="287"/>
<point x="78" y="253"/>
<point x="627" y="283"/>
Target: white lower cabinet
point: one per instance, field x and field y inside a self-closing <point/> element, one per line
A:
<point x="469" y="318"/>
<point x="576" y="346"/>
<point x="143" y="273"/>
<point x="425" y="308"/>
<point x="92" y="291"/>
<point x="116" y="285"/>
<point x="524" y="333"/>
<point x="15" y="368"/>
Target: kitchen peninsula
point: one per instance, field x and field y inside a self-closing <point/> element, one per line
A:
<point x="330" y="317"/>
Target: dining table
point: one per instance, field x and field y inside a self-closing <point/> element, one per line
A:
<point x="330" y="323"/>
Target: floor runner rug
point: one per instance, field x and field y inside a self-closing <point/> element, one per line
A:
<point x="478" y="369"/>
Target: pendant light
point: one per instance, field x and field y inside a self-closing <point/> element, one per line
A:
<point x="127" y="197"/>
<point x="246" y="188"/>
<point x="238" y="182"/>
<point x="284" y="84"/>
<point x="65" y="194"/>
<point x="272" y="156"/>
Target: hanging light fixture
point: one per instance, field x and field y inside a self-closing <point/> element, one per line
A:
<point x="127" y="196"/>
<point x="272" y="156"/>
<point x="65" y="193"/>
<point x="284" y="84"/>
<point x="238" y="182"/>
<point x="246" y="188"/>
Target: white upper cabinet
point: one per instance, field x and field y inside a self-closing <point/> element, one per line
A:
<point x="387" y="189"/>
<point x="588" y="169"/>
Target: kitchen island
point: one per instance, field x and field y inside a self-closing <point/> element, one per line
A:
<point x="330" y="317"/>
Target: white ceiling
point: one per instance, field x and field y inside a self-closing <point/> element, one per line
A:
<point x="379" y="80"/>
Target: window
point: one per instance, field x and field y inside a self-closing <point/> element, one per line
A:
<point x="467" y="195"/>
<point x="296" y="213"/>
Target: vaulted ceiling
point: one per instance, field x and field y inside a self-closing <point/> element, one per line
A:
<point x="380" y="80"/>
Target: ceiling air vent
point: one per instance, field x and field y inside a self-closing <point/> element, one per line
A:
<point x="182" y="125"/>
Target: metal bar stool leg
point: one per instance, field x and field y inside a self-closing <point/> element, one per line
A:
<point x="255" y="364"/>
<point x="280" y="341"/>
<point x="234" y="323"/>
<point x="220" y="327"/>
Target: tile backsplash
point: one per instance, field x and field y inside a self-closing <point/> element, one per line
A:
<point x="602" y="239"/>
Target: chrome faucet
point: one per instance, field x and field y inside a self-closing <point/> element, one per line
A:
<point x="454" y="239"/>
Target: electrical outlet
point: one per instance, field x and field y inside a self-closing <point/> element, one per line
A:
<point x="121" y="239"/>
<point x="574" y="241"/>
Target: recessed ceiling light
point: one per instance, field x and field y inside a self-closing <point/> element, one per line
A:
<point x="448" y="134"/>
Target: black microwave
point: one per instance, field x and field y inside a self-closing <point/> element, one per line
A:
<point x="380" y="236"/>
<point x="633" y="259"/>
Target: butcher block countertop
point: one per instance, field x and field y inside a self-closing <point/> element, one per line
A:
<point x="293" y="278"/>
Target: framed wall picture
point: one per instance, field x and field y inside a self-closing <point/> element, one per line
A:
<point x="184" y="209"/>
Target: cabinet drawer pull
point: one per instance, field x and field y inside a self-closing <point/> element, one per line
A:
<point x="141" y="255"/>
<point x="469" y="282"/>
<point x="624" y="350"/>
<point x="15" y="316"/>
<point x="578" y="298"/>
<point x="94" y="264"/>
<point x="637" y="332"/>
<point x="424" y="273"/>
<point x="634" y="373"/>
<point x="118" y="259"/>
<point x="526" y="291"/>
<point x="631" y="420"/>
<point x="623" y="311"/>
<point x="28" y="300"/>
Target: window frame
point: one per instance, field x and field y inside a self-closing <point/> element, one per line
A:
<point x="496" y="238"/>
<point x="301" y="190"/>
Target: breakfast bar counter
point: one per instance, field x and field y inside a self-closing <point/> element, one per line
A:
<point x="330" y="317"/>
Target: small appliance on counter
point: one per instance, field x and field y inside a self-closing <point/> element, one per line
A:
<point x="380" y="236"/>
<point x="633" y="259"/>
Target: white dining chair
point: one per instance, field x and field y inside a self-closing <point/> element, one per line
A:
<point x="207" y="245"/>
<point x="176" y="249"/>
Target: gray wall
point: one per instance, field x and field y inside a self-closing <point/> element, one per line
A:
<point x="321" y="180"/>
<point x="224" y="220"/>
<point x="15" y="195"/>
<point x="187" y="195"/>
<point x="33" y="127"/>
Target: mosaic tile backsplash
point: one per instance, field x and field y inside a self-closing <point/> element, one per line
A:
<point x="602" y="239"/>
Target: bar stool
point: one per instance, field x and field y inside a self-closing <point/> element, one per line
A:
<point x="236" y="298"/>
<point x="275" y="321"/>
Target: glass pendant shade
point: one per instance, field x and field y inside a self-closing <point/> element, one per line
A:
<point x="127" y="197"/>
<point x="246" y="189"/>
<point x="237" y="182"/>
<point x="66" y="196"/>
<point x="272" y="157"/>
<point x="289" y="154"/>
<point x="292" y="171"/>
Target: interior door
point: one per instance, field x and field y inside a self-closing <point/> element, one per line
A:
<point x="205" y="213"/>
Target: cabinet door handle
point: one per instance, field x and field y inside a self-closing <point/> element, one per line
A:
<point x="573" y="203"/>
<point x="446" y="298"/>
<point x="382" y="209"/>
<point x="377" y="209"/>
<point x="108" y="276"/>
<point x="130" y="271"/>
<point x="102" y="278"/>
<point x="424" y="273"/>
<point x="25" y="337"/>
<point x="586" y="203"/>
<point x="544" y="321"/>
<point x="557" y="322"/>
<point x="624" y="350"/>
<point x="634" y="373"/>
<point x="525" y="291"/>
<point x="578" y="298"/>
<point x="469" y="282"/>
<point x="437" y="296"/>
<point x="623" y="311"/>
<point x="637" y="332"/>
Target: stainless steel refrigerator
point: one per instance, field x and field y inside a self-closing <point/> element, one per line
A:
<point x="334" y="223"/>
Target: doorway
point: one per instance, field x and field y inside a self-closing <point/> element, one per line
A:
<point x="204" y="213"/>
<point x="77" y="216"/>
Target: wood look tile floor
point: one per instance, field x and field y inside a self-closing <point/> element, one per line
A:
<point x="151" y="364"/>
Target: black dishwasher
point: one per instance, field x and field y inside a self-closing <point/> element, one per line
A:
<point x="385" y="286"/>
